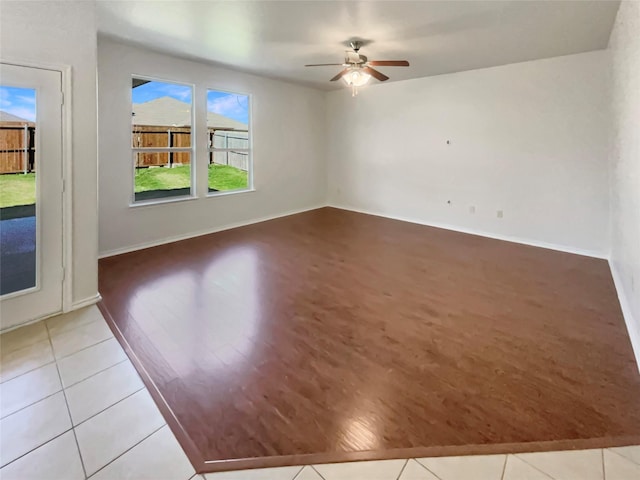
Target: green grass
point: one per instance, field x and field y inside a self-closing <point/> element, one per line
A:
<point x="221" y="177"/>
<point x="224" y="177"/>
<point x="162" y="178"/>
<point x="17" y="189"/>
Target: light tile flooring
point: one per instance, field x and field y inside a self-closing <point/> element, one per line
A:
<point x="73" y="407"/>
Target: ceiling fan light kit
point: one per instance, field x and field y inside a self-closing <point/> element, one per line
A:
<point x="356" y="78"/>
<point x="358" y="69"/>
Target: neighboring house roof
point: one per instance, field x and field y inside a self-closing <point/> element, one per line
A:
<point x="8" y="117"/>
<point x="167" y="111"/>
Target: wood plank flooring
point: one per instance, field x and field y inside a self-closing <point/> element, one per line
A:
<point x="332" y="335"/>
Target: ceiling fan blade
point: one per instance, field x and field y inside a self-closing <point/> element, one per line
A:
<point x="340" y="75"/>
<point x="389" y="63"/>
<point x="324" y="64"/>
<point x="375" y="73"/>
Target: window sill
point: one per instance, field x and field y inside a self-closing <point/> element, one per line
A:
<point x="230" y="192"/>
<point x="162" y="201"/>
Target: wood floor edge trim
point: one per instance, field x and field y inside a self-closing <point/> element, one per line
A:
<point x="418" y="452"/>
<point x="199" y="233"/>
<point x="479" y="233"/>
<point x="190" y="449"/>
<point x="633" y="325"/>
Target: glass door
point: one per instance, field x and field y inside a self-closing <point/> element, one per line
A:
<point x="31" y="262"/>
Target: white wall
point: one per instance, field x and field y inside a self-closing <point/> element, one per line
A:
<point x="288" y="150"/>
<point x="64" y="34"/>
<point x="530" y="139"/>
<point x="625" y="178"/>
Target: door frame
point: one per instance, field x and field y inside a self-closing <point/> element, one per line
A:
<point x="67" y="176"/>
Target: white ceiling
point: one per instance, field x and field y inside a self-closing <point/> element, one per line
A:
<point x="276" y="38"/>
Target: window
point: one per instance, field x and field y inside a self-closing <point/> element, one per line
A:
<point x="161" y="135"/>
<point x="229" y="153"/>
<point x="18" y="223"/>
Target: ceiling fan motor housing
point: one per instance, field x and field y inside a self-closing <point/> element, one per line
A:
<point x="354" y="58"/>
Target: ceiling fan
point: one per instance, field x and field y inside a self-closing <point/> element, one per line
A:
<point x="359" y="69"/>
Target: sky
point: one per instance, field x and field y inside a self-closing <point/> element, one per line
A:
<point x="20" y="102"/>
<point x="229" y="105"/>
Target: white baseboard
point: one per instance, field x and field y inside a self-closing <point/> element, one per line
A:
<point x="85" y="302"/>
<point x="480" y="233"/>
<point x="633" y="325"/>
<point x="177" y="238"/>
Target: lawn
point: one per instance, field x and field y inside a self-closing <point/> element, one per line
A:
<point x="221" y="177"/>
<point x="17" y="189"/>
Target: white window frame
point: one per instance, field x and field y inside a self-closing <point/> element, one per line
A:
<point x="249" y="150"/>
<point x="192" y="149"/>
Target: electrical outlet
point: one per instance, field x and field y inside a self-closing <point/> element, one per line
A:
<point x="500" y="214"/>
<point x="472" y="209"/>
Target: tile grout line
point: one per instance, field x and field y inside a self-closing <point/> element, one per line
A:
<point x="107" y="408"/>
<point x="81" y="349"/>
<point x="35" y="448"/>
<point x="504" y="466"/>
<point x="62" y="387"/>
<point x="404" y="465"/>
<point x="66" y="402"/>
<point x="94" y="374"/>
<point x="618" y="454"/>
<point x="604" y="473"/>
<point x="73" y="427"/>
<point x="29" y="371"/>
<point x="297" y="474"/>
<point x="533" y="466"/>
<point x="128" y="449"/>
<point x="428" y="470"/>
<point x="313" y="467"/>
<point x="53" y="353"/>
<point x="73" y="314"/>
<point x="23" y="347"/>
<point x="34" y="403"/>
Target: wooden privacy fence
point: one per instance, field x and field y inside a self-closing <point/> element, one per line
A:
<point x="145" y="136"/>
<point x="17" y="147"/>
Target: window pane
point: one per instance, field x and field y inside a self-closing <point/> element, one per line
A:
<point x="17" y="189"/>
<point x="162" y="175"/>
<point x="161" y="114"/>
<point x="161" y="118"/>
<point x="228" y="129"/>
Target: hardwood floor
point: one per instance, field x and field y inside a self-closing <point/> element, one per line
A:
<point x="333" y="335"/>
